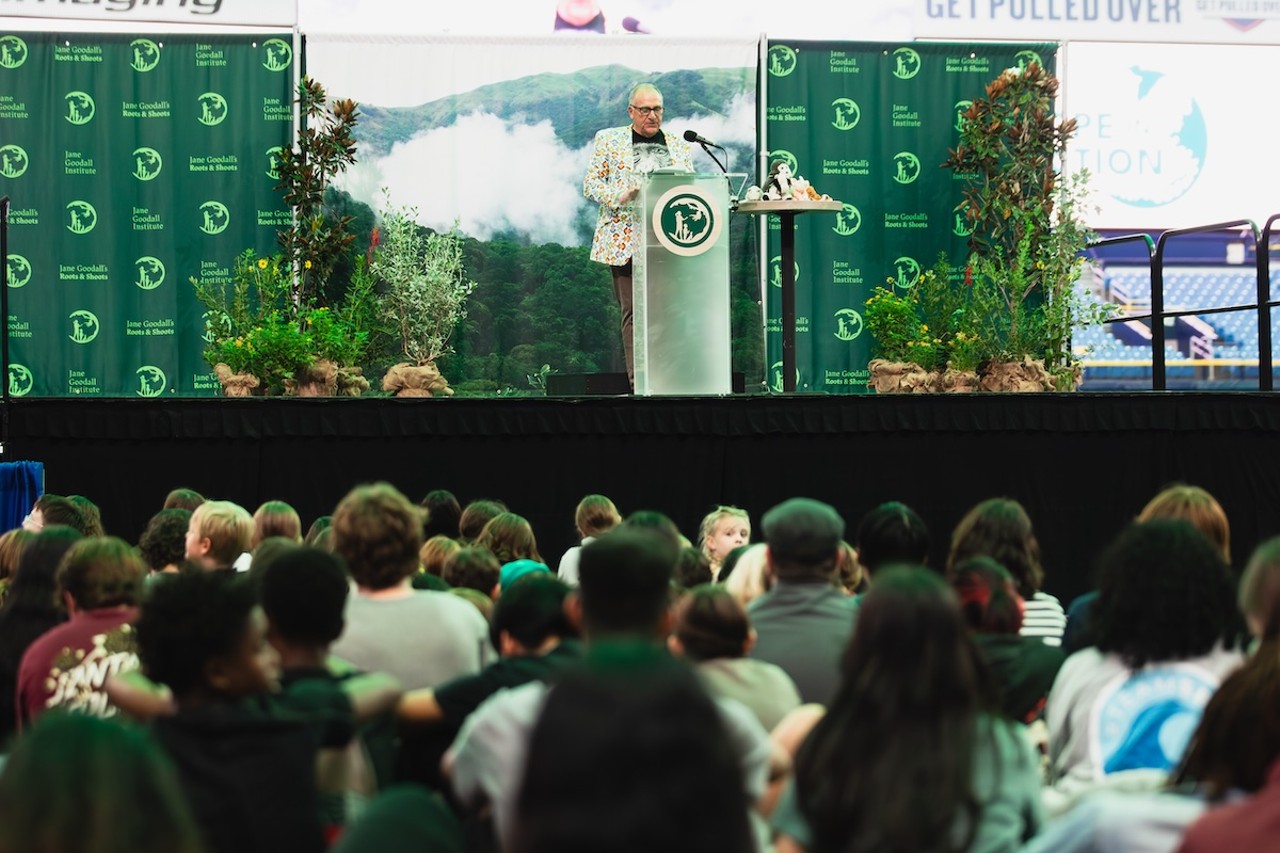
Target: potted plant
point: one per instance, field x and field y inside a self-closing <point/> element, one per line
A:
<point x="924" y="334"/>
<point x="1027" y="233"/>
<point x="424" y="297"/>
<point x="269" y="331"/>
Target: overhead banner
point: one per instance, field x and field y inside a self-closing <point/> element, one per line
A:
<point x="221" y="13"/>
<point x="1168" y="21"/>
<point x="133" y="166"/>
<point x="868" y="124"/>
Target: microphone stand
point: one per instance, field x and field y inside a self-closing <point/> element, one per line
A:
<point x="733" y="197"/>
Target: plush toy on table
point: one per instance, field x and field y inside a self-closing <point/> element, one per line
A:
<point x="780" y="182"/>
<point x="784" y="185"/>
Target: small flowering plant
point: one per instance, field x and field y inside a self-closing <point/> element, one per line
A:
<point x="253" y="326"/>
<point x="933" y="321"/>
<point x="893" y="317"/>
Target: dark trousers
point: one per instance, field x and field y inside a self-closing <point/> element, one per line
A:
<point x="622" y="290"/>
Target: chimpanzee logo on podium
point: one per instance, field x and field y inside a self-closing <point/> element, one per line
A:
<point x="19" y="271"/>
<point x="685" y="221"/>
<point x="151" y="381"/>
<point x="20" y="380"/>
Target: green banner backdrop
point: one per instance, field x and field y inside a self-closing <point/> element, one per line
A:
<point x="868" y="124"/>
<point x="133" y="165"/>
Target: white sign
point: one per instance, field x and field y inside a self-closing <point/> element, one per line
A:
<point x="253" y="13"/>
<point x="1185" y="21"/>
<point x="1172" y="135"/>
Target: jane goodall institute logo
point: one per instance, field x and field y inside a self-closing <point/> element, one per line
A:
<point x="145" y="55"/>
<point x="277" y="54"/>
<point x="20" y="380"/>
<point x="151" y="381"/>
<point x="84" y="326"/>
<point x="686" y="222"/>
<point x="81" y="217"/>
<point x="13" y="52"/>
<point x="214" y="217"/>
<point x="782" y="60"/>
<point x="80" y="107"/>
<point x="19" y="269"/>
<point x="150" y="272"/>
<point x="13" y="161"/>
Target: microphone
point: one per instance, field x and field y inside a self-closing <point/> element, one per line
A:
<point x="631" y="25"/>
<point x="692" y="136"/>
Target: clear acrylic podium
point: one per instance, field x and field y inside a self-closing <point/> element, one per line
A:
<point x="680" y="284"/>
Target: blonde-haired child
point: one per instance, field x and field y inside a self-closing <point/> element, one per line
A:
<point x="723" y="529"/>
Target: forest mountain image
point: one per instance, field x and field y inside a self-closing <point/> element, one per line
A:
<point x="513" y="156"/>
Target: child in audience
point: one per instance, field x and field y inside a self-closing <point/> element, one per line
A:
<point x="1024" y="667"/>
<point x="750" y="578"/>
<point x="911" y="754"/>
<point x="1163" y="627"/>
<point x="163" y="543"/>
<point x="1190" y="503"/>
<point x="711" y="629"/>
<point x="442" y="512"/>
<point x="276" y="518"/>
<point x="219" y="532"/>
<point x="437" y="551"/>
<point x="595" y="516"/>
<point x="246" y="761"/>
<point x="422" y="637"/>
<point x="892" y="534"/>
<point x="693" y="568"/>
<point x="1259" y="596"/>
<point x="510" y="538"/>
<point x="91" y="514"/>
<point x="475" y="516"/>
<point x="1000" y="529"/>
<point x="80" y="783"/>
<point x="12" y="544"/>
<point x="473" y="568"/>
<point x="100" y="583"/>
<point x="183" y="498"/>
<point x="722" y="530"/>
<point x="304" y="594"/>
<point x="31" y="608"/>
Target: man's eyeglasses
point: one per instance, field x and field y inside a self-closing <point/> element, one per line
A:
<point x="647" y="110"/>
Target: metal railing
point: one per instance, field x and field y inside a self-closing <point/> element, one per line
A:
<point x="1158" y="316"/>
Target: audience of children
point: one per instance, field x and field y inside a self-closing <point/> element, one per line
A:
<point x="273" y="718"/>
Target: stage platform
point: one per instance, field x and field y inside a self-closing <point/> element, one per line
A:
<point x="1082" y="464"/>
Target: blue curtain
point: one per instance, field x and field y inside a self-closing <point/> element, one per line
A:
<point x="20" y="484"/>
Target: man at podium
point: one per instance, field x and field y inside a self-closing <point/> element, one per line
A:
<point x="622" y="156"/>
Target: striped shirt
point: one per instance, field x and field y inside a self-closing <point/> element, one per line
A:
<point x="1044" y="618"/>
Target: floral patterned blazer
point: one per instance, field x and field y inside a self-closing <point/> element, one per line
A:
<point x="608" y="178"/>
